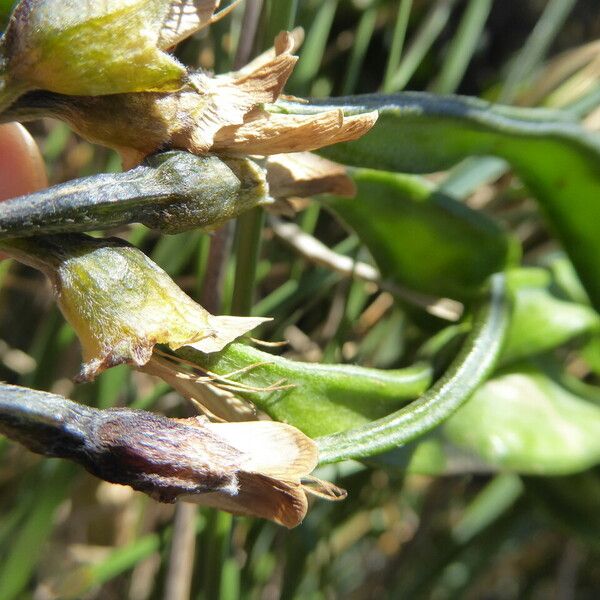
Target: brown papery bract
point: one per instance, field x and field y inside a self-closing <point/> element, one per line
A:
<point x="260" y="469"/>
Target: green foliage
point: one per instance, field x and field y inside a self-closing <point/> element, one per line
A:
<point x="320" y="399"/>
<point x="423" y="238"/>
<point x="498" y="425"/>
<point x="555" y="158"/>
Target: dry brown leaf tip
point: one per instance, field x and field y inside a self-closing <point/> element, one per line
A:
<point x="274" y="462"/>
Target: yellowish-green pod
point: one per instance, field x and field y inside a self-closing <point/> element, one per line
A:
<point x="120" y="303"/>
<point x="95" y="48"/>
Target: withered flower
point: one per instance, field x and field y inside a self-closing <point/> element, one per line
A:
<point x="232" y="114"/>
<point x="260" y="469"/>
<point x="120" y="303"/>
<point x="103" y="68"/>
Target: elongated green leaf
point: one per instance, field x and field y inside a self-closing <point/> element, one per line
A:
<point x="314" y="47"/>
<point x="324" y="398"/>
<point x="334" y="398"/>
<point x="422" y="238"/>
<point x="557" y="159"/>
<point x="463" y="46"/>
<point x="493" y="500"/>
<point x="523" y="421"/>
<point x="429" y="31"/>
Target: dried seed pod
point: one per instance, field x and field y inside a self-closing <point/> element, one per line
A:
<point x="260" y="469"/>
<point x="231" y="114"/>
<point x="120" y="303"/>
<point x="171" y="192"/>
<point x="95" y="48"/>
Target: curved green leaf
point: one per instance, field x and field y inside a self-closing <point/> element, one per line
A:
<point x="469" y="369"/>
<point x="324" y="398"/>
<point x="541" y="321"/>
<point x="522" y="420"/>
<point x="556" y="158"/>
<point x="422" y="238"/>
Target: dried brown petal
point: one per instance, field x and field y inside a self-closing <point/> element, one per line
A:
<point x="306" y="174"/>
<point x="226" y="100"/>
<point x="286" y="41"/>
<point x="256" y="469"/>
<point x="264" y="133"/>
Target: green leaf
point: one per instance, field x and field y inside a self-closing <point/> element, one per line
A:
<point x="324" y="398"/>
<point x="422" y="238"/>
<point x="523" y="421"/>
<point x="541" y="321"/>
<point x="556" y="158"/>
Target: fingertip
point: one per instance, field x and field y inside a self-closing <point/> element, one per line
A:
<point x="22" y="168"/>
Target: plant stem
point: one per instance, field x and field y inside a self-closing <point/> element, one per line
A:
<point x="181" y="558"/>
<point x="397" y="43"/>
<point x="248" y="232"/>
<point x="249" y="226"/>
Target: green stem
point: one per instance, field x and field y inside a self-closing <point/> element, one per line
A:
<point x="249" y="229"/>
<point x="397" y="43"/>
<point x="467" y="372"/>
<point x="282" y="15"/>
<point x="249" y="226"/>
<point x="425" y="37"/>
